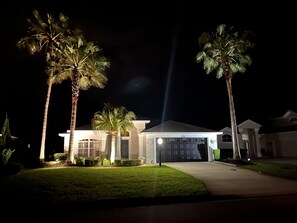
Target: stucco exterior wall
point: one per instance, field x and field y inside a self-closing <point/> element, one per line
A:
<point x="134" y="144"/>
<point x="84" y="134"/>
<point x="280" y="144"/>
<point x="150" y="145"/>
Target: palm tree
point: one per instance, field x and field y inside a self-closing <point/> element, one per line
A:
<point x="224" y="52"/>
<point x="5" y="144"/>
<point x="83" y="64"/>
<point x="46" y="34"/>
<point x="116" y="121"/>
<point x="5" y="136"/>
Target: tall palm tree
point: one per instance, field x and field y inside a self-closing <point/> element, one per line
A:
<point x="46" y="35"/>
<point x="115" y="121"/>
<point x="83" y="64"/>
<point x="224" y="52"/>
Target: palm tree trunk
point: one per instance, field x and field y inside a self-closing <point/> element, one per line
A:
<point x="112" y="153"/>
<point x="236" y="151"/>
<point x="43" y="136"/>
<point x="75" y="94"/>
<point x="70" y="155"/>
<point x="118" y="145"/>
<point x="108" y="144"/>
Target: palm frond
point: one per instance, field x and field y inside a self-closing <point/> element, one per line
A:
<point x="113" y="119"/>
<point x="200" y="56"/>
<point x="221" y="29"/>
<point x="210" y="64"/>
<point x="219" y="73"/>
<point x="224" y="43"/>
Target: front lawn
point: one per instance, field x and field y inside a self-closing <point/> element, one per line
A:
<point x="274" y="169"/>
<point x="104" y="186"/>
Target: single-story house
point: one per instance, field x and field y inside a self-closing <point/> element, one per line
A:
<point x="180" y="142"/>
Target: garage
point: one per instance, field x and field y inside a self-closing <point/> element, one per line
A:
<point x="173" y="141"/>
<point x="182" y="150"/>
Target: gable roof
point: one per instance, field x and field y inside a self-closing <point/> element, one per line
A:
<point x="249" y="124"/>
<point x="226" y="129"/>
<point x="288" y="114"/>
<point x="173" y="126"/>
<point x="281" y="123"/>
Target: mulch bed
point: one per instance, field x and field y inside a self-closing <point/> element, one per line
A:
<point x="239" y="162"/>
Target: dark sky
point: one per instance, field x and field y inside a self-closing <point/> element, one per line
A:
<point x="152" y="47"/>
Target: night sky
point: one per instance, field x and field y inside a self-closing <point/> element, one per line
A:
<point x="152" y="46"/>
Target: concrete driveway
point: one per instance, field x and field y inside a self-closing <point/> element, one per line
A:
<point x="227" y="180"/>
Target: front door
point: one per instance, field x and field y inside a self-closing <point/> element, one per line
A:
<point x="125" y="149"/>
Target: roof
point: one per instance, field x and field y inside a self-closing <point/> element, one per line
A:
<point x="173" y="126"/>
<point x="89" y="126"/>
<point x="84" y="127"/>
<point x="270" y="129"/>
<point x="226" y="129"/>
<point x="249" y="124"/>
<point x="289" y="113"/>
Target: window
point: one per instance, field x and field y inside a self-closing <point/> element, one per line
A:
<point x="94" y="143"/>
<point x="293" y="120"/>
<point x="88" y="147"/>
<point x="126" y="134"/>
<point x="226" y="138"/>
<point x="83" y="143"/>
<point x="83" y="152"/>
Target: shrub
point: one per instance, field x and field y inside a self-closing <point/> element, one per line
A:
<point x="89" y="162"/>
<point x="11" y="168"/>
<point x="60" y="156"/>
<point x="80" y="161"/>
<point x="117" y="162"/>
<point x="132" y="162"/>
<point x="6" y="154"/>
<point x="106" y="162"/>
<point x="216" y="154"/>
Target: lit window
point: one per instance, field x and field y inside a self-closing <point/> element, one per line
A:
<point x="83" y="143"/>
<point x="94" y="143"/>
<point x="82" y="152"/>
<point x="88" y="148"/>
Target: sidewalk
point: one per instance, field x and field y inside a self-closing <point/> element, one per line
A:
<point x="227" y="180"/>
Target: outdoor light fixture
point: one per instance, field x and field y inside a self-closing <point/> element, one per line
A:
<point x="160" y="142"/>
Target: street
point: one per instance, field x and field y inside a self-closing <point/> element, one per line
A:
<point x="270" y="208"/>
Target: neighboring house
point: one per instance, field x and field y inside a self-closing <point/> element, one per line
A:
<point x="181" y="142"/>
<point x="248" y="137"/>
<point x="279" y="136"/>
<point x="276" y="138"/>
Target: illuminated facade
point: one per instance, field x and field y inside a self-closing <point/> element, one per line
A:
<point x="181" y="142"/>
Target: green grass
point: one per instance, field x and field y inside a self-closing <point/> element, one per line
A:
<point x="274" y="169"/>
<point x="90" y="184"/>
